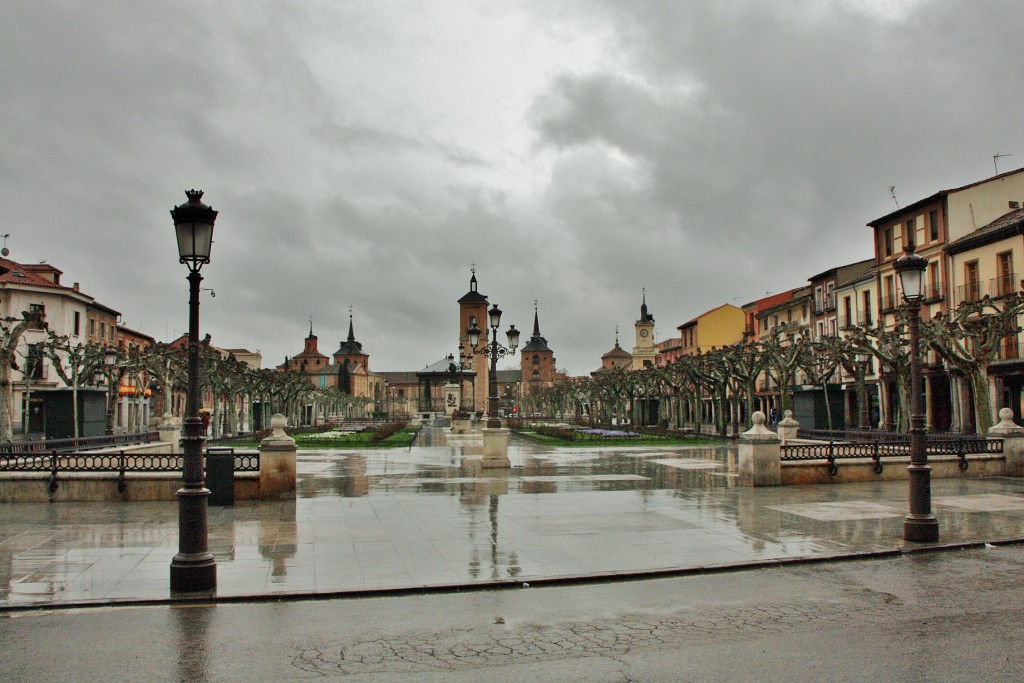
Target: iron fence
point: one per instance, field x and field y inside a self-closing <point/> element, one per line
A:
<point x="120" y="463"/>
<point x="959" y="445"/>
<point x="81" y="443"/>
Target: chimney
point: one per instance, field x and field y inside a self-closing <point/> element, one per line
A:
<point x="75" y="287"/>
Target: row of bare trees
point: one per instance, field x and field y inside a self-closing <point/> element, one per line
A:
<point x="229" y="385"/>
<point x="968" y="340"/>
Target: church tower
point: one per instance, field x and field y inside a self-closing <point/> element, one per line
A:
<point x="473" y="311"/>
<point x="537" y="360"/>
<point x="353" y="365"/>
<point x="645" y="351"/>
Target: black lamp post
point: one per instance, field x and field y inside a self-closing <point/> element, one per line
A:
<point x="494" y="351"/>
<point x="920" y="524"/>
<point x="193" y="568"/>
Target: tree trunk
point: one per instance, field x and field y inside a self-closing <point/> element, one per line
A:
<point x="982" y="402"/>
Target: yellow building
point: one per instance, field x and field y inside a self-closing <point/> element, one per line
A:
<point x="722" y="326"/>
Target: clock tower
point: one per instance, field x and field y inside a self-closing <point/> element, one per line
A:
<point x="473" y="311"/>
<point x="645" y="351"/>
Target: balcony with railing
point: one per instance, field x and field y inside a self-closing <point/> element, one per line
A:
<point x="817" y="306"/>
<point x="968" y="293"/>
<point x="1004" y="285"/>
<point x="933" y="292"/>
<point x="1009" y="349"/>
<point x="888" y="303"/>
<point x="865" y="319"/>
<point x="830" y="301"/>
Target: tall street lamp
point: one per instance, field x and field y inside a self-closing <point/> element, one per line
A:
<point x="494" y="351"/>
<point x="920" y="524"/>
<point x="193" y="568"/>
<point x="114" y="390"/>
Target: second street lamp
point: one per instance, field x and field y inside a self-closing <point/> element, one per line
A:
<point x="920" y="524"/>
<point x="193" y="568"/>
<point x="494" y="351"/>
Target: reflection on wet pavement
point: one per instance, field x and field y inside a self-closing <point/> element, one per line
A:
<point x="424" y="516"/>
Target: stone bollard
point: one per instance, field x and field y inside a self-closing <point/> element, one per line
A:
<point x="495" y="449"/>
<point x="788" y="427"/>
<point x="170" y="433"/>
<point x="1013" y="442"/>
<point x="760" y="456"/>
<point x="277" y="462"/>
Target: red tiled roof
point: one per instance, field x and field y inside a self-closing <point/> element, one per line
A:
<point x="11" y="271"/>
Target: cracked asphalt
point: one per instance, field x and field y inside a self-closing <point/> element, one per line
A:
<point x="951" y="615"/>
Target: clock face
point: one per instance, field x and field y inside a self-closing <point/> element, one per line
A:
<point x="643" y="333"/>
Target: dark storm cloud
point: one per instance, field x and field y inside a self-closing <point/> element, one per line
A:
<point x="577" y="152"/>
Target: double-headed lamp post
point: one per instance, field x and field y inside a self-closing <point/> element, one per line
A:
<point x="920" y="524"/>
<point x="494" y="351"/>
<point x="193" y="568"/>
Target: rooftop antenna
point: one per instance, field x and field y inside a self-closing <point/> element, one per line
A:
<point x="995" y="162"/>
<point x="892" y="193"/>
<point x="5" y="251"/>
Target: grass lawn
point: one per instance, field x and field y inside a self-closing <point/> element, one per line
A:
<point x="327" y="440"/>
<point x="585" y="440"/>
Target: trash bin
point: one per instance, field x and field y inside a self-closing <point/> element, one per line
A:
<point x="220" y="475"/>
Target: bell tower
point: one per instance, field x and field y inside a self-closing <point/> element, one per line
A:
<point x="473" y="311"/>
<point x="645" y="351"/>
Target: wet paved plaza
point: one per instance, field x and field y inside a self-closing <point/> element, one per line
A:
<point x="417" y="517"/>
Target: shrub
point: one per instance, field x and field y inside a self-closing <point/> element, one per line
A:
<point x="384" y="431"/>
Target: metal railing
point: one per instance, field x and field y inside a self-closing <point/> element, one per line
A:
<point x="1004" y="285"/>
<point x="960" y="445"/>
<point x="887" y="303"/>
<point x="81" y="443"/>
<point x="933" y="292"/>
<point x="120" y="463"/>
<point x="968" y="293"/>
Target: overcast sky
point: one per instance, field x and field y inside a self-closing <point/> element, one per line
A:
<point x="366" y="153"/>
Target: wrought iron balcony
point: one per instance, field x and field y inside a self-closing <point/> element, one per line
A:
<point x="933" y="292"/>
<point x="1004" y="285"/>
<point x="968" y="293"/>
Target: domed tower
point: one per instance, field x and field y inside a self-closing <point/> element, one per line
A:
<point x="645" y="352"/>
<point x="473" y="311"/>
<point x="537" y="360"/>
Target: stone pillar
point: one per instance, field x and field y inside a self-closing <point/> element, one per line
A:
<point x="787" y="427"/>
<point x="495" y="448"/>
<point x="170" y="433"/>
<point x="760" y="455"/>
<point x="277" y="462"/>
<point x="928" y="403"/>
<point x="1013" y="442"/>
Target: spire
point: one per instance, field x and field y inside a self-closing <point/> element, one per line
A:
<point x="616" y="336"/>
<point x="351" y="333"/>
<point x="536" y="322"/>
<point x="311" y="327"/>
<point x="645" y="316"/>
<point x="472" y="280"/>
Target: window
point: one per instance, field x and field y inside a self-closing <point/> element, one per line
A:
<point x="103" y="330"/>
<point x="887" y="241"/>
<point x="112" y="328"/>
<point x="92" y="327"/>
<point x="848" y="310"/>
<point x="37" y="308"/>
<point x="908" y="233"/>
<point x="933" y="225"/>
<point x="972" y="286"/>
<point x="932" y="290"/>
<point x="536" y="375"/>
<point x="536" y="359"/>
<point x="1004" y="274"/>
<point x="77" y="323"/>
<point x="34" y="362"/>
<point x="888" y="293"/>
<point x="866" y="316"/>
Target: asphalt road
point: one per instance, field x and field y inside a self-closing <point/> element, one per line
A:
<point x="945" y="616"/>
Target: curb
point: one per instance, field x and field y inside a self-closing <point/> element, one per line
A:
<point x="206" y="600"/>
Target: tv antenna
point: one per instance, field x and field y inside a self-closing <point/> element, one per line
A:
<point x="995" y="162"/>
<point x="892" y="193"/>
